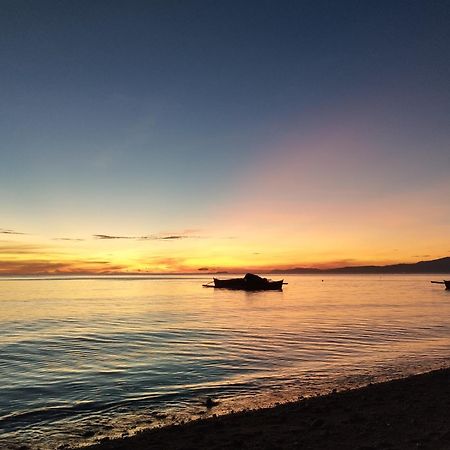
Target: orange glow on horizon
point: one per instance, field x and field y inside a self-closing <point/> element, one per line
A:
<point x="236" y="255"/>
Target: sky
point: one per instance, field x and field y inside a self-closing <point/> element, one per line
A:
<point x="178" y="136"/>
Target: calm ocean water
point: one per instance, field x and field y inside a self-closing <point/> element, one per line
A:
<point x="81" y="359"/>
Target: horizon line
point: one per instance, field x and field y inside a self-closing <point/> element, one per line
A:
<point x="231" y="271"/>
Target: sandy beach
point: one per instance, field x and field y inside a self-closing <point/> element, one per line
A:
<point x="408" y="413"/>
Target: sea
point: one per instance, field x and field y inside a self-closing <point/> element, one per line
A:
<point x="84" y="359"/>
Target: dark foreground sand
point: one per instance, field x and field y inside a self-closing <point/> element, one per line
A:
<point x="410" y="413"/>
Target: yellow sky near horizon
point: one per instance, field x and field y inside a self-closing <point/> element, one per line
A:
<point x="248" y="235"/>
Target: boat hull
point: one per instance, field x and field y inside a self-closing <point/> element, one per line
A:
<point x="244" y="285"/>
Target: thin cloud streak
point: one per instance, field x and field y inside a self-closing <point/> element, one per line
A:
<point x="68" y="239"/>
<point x="13" y="232"/>
<point x="153" y="237"/>
<point x="108" y="237"/>
<point x="12" y="248"/>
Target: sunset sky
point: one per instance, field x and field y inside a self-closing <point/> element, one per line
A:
<point x="172" y="136"/>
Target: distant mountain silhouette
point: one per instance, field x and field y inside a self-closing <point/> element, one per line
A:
<point x="441" y="265"/>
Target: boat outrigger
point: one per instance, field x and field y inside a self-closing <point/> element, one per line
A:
<point x="250" y="282"/>
<point x="446" y="282"/>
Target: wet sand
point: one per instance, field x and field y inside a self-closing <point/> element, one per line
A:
<point x="411" y="413"/>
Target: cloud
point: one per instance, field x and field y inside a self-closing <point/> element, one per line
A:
<point x="167" y="264"/>
<point x="108" y="236"/>
<point x="94" y="262"/>
<point x="20" y="249"/>
<point x="68" y="239"/>
<point x="6" y="231"/>
<point x="42" y="267"/>
<point x="151" y="237"/>
<point x="29" y="267"/>
<point x="32" y="259"/>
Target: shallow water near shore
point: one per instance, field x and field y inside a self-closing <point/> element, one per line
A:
<point x="90" y="357"/>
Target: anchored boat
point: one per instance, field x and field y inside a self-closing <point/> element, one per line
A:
<point x="445" y="282"/>
<point x="250" y="282"/>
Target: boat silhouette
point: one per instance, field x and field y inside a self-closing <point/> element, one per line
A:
<point x="250" y="282"/>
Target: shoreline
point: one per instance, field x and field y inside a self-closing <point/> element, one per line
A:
<point x="402" y="414"/>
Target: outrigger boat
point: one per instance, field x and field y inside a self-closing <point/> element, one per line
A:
<point x="250" y="282"/>
<point x="446" y="282"/>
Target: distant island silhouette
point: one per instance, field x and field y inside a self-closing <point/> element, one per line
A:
<point x="441" y="265"/>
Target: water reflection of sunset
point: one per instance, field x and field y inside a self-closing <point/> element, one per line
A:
<point x="139" y="346"/>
